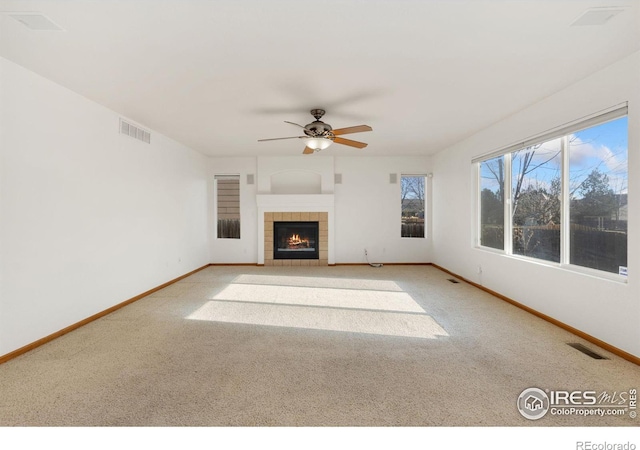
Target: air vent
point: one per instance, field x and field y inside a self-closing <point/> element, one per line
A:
<point x="586" y="351"/>
<point x="597" y="16"/>
<point x="453" y="280"/>
<point x="134" y="132"/>
<point x="35" y="21"/>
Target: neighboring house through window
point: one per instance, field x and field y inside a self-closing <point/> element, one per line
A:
<point x="227" y="188"/>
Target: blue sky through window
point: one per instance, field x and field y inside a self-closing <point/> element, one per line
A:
<point x="603" y="147"/>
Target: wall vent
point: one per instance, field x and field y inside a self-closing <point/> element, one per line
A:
<point x="134" y="131"/>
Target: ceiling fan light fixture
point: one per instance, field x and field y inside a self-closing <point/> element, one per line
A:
<point x="318" y="143"/>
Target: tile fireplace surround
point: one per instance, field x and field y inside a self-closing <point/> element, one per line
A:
<point x="297" y="216"/>
<point x="299" y="208"/>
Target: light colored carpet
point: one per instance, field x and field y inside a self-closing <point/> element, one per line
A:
<point x="303" y="346"/>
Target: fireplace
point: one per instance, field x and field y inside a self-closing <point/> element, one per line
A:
<point x="267" y="230"/>
<point x="296" y="240"/>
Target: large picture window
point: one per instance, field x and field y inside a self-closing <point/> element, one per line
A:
<point x="567" y="192"/>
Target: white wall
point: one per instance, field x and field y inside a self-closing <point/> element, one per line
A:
<point x="607" y="310"/>
<point x="89" y="217"/>
<point x="367" y="206"/>
<point x="368" y="210"/>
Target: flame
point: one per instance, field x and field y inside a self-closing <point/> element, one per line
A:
<point x="295" y="242"/>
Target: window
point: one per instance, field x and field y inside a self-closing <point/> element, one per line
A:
<point x="598" y="196"/>
<point x="567" y="194"/>
<point x="412" y="193"/>
<point x="535" y="201"/>
<point x="492" y="203"/>
<point x="227" y="188"/>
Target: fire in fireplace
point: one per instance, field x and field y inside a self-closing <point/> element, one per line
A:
<point x="295" y="240"/>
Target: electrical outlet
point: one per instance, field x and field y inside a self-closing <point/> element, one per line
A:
<point x="479" y="269"/>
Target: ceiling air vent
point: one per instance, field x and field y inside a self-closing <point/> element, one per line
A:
<point x="35" y="21"/>
<point x="597" y="16"/>
<point x="134" y="131"/>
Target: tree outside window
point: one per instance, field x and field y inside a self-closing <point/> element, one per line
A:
<point x="492" y="203"/>
<point x="595" y="198"/>
<point x="598" y="170"/>
<point x="412" y="190"/>
<point x="535" y="210"/>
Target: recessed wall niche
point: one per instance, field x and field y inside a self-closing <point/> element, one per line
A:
<point x="296" y="182"/>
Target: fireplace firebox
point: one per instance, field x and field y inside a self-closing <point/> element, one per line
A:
<point x="295" y="240"/>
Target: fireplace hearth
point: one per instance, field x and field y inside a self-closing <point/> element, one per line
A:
<point x="295" y="240"/>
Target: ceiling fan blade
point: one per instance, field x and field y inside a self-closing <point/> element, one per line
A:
<point x="307" y="151"/>
<point x="278" y="139"/>
<point x="293" y="123"/>
<point x="349" y="142"/>
<point x="349" y="130"/>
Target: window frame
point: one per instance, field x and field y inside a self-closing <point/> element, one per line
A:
<point x="425" y="178"/>
<point x="562" y="132"/>
<point x="478" y="205"/>
<point x="216" y="178"/>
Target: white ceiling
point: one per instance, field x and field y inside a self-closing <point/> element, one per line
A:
<point x="218" y="75"/>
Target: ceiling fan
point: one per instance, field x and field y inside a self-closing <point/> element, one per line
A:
<point x="320" y="135"/>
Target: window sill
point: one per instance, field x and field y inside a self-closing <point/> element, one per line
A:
<point x="586" y="271"/>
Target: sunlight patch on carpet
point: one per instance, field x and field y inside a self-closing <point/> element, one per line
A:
<point x="306" y="296"/>
<point x="330" y="319"/>
<point x="323" y="282"/>
<point x="336" y="304"/>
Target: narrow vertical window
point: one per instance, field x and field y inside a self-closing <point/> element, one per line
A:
<point x="412" y="203"/>
<point x="492" y="203"/>
<point x="228" y="206"/>
<point x="598" y="176"/>
<point x="535" y="203"/>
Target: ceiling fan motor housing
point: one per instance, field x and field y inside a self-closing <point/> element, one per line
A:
<point x="317" y="128"/>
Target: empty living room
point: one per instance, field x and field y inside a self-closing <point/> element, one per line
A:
<point x="297" y="221"/>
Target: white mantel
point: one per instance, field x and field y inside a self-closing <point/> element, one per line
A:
<point x="295" y="203"/>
